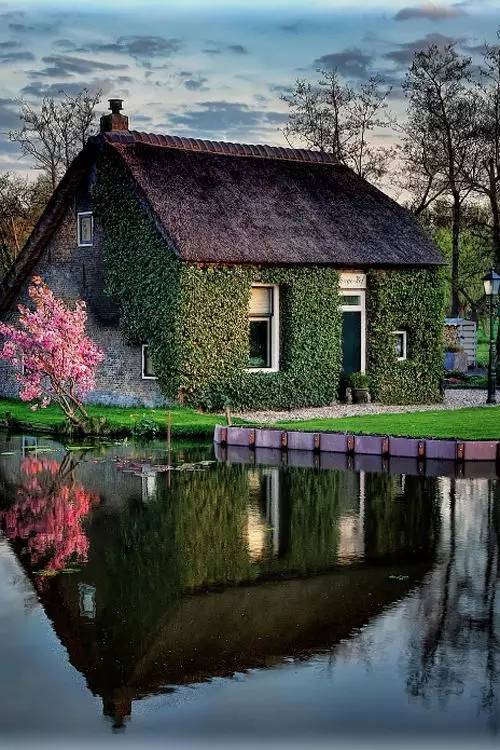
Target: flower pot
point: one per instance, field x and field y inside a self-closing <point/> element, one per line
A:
<point x="361" y="395"/>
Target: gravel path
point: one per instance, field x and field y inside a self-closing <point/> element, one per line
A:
<point x="454" y="399"/>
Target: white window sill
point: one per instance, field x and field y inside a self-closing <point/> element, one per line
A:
<point x="262" y="369"/>
<point x="149" y="377"/>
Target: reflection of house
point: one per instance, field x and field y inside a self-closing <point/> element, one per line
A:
<point x="230" y="568"/>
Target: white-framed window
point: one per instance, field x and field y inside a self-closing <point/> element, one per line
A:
<point x="264" y="328"/>
<point x="85" y="228"/>
<point x="400" y="343"/>
<point x="147" y="370"/>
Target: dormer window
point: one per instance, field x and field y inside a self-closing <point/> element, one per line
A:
<point x="85" y="227"/>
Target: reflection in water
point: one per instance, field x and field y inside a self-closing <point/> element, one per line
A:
<point x="191" y="575"/>
<point x="47" y="514"/>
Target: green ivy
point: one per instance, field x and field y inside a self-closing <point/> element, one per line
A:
<point x="413" y="301"/>
<point x="195" y="318"/>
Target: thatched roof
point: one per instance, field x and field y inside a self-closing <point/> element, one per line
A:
<point x="228" y="203"/>
<point x="231" y="203"/>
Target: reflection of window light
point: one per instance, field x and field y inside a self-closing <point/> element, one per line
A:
<point x="263" y="522"/>
<point x="148" y="486"/>
<point x="86" y="594"/>
<point x="29" y="445"/>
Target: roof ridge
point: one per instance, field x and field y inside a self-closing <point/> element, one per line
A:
<point x="227" y="148"/>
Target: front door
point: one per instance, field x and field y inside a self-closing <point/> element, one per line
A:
<point x="351" y="341"/>
<point x="352" y="304"/>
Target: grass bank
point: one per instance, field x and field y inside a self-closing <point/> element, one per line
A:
<point x="473" y="423"/>
<point x="185" y="422"/>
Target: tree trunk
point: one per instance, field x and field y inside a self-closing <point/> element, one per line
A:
<point x="455" y="255"/>
<point x="495" y="213"/>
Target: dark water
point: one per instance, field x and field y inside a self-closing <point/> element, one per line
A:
<point x="226" y="603"/>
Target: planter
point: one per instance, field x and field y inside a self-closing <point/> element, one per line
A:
<point x="456" y="361"/>
<point x="361" y="395"/>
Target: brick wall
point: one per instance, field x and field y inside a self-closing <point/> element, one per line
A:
<point x="74" y="272"/>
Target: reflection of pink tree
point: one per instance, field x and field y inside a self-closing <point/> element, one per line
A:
<point x="48" y="513"/>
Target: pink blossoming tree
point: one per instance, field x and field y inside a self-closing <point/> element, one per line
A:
<point x="55" y="358"/>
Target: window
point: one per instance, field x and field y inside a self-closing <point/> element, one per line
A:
<point x="264" y="328"/>
<point x="400" y="344"/>
<point x="85" y="223"/>
<point x="148" y="372"/>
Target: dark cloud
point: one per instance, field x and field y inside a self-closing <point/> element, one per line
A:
<point x="11" y="15"/>
<point x="9" y="45"/>
<point x="217" y="48"/>
<point x="25" y="28"/>
<point x="65" y="66"/>
<point x="137" y="46"/>
<point x="222" y="119"/>
<point x="351" y="63"/>
<point x="15" y="57"/>
<point x="9" y="117"/>
<point x="196" y="84"/>
<point x="66" y="45"/>
<point x="405" y="52"/>
<point x="430" y="11"/>
<point x="295" y="27"/>
<point x="115" y="85"/>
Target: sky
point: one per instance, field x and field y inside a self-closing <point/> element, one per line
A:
<point x="215" y="69"/>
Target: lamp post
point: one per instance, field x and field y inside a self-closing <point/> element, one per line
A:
<point x="491" y="287"/>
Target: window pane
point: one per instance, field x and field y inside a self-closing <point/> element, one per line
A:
<point x="261" y="300"/>
<point x="85" y="230"/>
<point x="400" y="345"/>
<point x="147" y="364"/>
<point x="350" y="299"/>
<point x="260" y="354"/>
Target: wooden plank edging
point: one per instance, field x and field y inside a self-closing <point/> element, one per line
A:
<point x="352" y="444"/>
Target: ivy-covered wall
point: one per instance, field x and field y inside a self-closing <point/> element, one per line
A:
<point x="196" y="321"/>
<point x="410" y="300"/>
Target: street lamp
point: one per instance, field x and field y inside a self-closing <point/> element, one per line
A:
<point x="491" y="287"/>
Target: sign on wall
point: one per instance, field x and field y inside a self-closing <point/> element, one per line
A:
<point x="352" y="280"/>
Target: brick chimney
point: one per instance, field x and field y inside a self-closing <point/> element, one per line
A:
<point x="115" y="120"/>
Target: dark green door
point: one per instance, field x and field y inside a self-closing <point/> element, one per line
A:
<point x="351" y="341"/>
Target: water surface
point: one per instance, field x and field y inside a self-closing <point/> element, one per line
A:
<point x="227" y="602"/>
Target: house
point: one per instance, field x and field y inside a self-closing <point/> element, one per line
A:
<point x="219" y="272"/>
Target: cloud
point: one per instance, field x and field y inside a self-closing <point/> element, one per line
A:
<point x="15" y="57"/>
<point x="405" y="52"/>
<point x="65" y="66"/>
<point x="25" y="28"/>
<point x="217" y="48"/>
<point x="9" y="117"/>
<point x="430" y="11"/>
<point x="294" y="27"/>
<point x="351" y="63"/>
<point x="137" y="46"/>
<point x="224" y="119"/>
<point x="38" y="89"/>
<point x="9" y="45"/>
<point x="196" y="84"/>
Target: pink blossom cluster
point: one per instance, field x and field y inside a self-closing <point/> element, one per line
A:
<point x="48" y="514"/>
<point x="50" y="347"/>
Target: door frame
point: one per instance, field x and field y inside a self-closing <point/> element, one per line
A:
<point x="361" y="293"/>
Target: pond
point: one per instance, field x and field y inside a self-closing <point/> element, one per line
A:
<point x="236" y="600"/>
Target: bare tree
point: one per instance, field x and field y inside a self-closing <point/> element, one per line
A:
<point x="21" y="203"/>
<point x="332" y="116"/>
<point x="53" y="134"/>
<point x="485" y="178"/>
<point x="441" y="132"/>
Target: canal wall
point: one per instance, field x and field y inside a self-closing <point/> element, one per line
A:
<point x="420" y="449"/>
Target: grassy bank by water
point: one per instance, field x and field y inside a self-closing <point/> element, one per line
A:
<point x="185" y="422"/>
<point x="477" y="423"/>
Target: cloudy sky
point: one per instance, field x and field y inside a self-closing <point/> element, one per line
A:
<point x="215" y="69"/>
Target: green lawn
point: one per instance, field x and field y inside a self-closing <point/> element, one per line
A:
<point x="185" y="422"/>
<point x="479" y="423"/>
